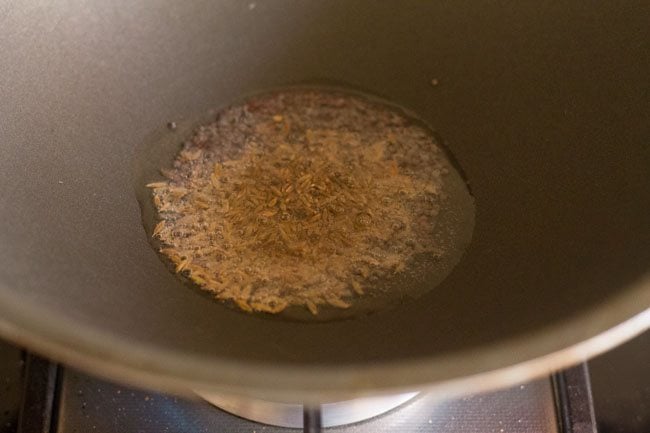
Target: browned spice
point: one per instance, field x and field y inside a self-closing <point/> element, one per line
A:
<point x="299" y="198"/>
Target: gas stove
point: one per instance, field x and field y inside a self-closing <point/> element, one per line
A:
<point x="610" y="394"/>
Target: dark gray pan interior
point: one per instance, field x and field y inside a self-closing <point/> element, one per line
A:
<point x="543" y="104"/>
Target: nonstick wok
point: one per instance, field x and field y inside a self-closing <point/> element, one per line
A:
<point x="544" y="106"/>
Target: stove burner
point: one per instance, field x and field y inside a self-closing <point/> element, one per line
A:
<point x="291" y="415"/>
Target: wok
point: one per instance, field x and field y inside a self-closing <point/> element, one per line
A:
<point x="544" y="106"/>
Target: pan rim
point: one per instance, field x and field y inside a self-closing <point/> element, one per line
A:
<point x="479" y="368"/>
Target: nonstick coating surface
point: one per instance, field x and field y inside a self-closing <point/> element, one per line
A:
<point x="544" y="105"/>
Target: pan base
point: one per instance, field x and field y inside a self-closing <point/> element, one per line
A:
<point x="291" y="415"/>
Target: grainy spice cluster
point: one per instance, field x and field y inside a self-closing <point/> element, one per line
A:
<point x="300" y="198"/>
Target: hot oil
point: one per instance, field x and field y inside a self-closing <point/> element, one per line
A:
<point x="268" y="144"/>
